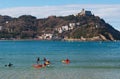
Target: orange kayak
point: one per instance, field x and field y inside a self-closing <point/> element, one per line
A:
<point x="65" y="61"/>
<point x="37" y="66"/>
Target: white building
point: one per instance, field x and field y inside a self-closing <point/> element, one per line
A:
<point x="46" y="36"/>
<point x="7" y="22"/>
<point x="62" y="28"/>
<point x="65" y="28"/>
<point x="71" y="26"/>
<point x="77" y="23"/>
<point x="59" y="29"/>
<point x="0" y="27"/>
<point x="96" y="26"/>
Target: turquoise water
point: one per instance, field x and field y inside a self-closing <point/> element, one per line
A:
<point x="89" y="60"/>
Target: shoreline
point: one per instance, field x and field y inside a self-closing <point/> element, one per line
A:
<point x="69" y="40"/>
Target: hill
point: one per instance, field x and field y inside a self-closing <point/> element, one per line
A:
<point x="84" y="27"/>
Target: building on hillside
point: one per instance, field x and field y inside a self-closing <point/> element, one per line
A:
<point x="48" y="36"/>
<point x="84" y="13"/>
<point x="96" y="26"/>
<point x="0" y="27"/>
<point x="71" y="26"/>
<point x="45" y="36"/>
<point x="65" y="28"/>
<point x="78" y="23"/>
<point x="59" y="29"/>
<point x="7" y="22"/>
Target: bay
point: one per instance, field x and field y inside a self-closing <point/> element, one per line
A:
<point x="88" y="60"/>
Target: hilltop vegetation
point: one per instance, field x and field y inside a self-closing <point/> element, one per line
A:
<point x="79" y="27"/>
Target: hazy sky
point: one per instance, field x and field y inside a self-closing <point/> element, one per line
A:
<point x="109" y="10"/>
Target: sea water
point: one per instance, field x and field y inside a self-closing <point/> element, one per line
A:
<point x="88" y="60"/>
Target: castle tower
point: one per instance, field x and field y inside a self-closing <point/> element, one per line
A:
<point x="84" y="13"/>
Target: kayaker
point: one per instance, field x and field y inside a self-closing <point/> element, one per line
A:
<point x="44" y="59"/>
<point x="9" y="65"/>
<point x="67" y="61"/>
<point x="38" y="60"/>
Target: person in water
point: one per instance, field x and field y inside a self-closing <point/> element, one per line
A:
<point x="38" y="60"/>
<point x="44" y="59"/>
<point x="9" y="65"/>
<point x="44" y="65"/>
<point x="46" y="62"/>
<point x="67" y="61"/>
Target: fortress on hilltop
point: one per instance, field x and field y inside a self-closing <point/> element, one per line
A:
<point x="84" y="13"/>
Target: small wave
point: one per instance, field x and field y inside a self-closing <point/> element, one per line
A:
<point x="93" y="67"/>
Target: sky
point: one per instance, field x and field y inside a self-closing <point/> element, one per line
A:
<point x="109" y="10"/>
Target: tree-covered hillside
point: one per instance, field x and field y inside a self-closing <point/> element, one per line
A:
<point x="79" y="27"/>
